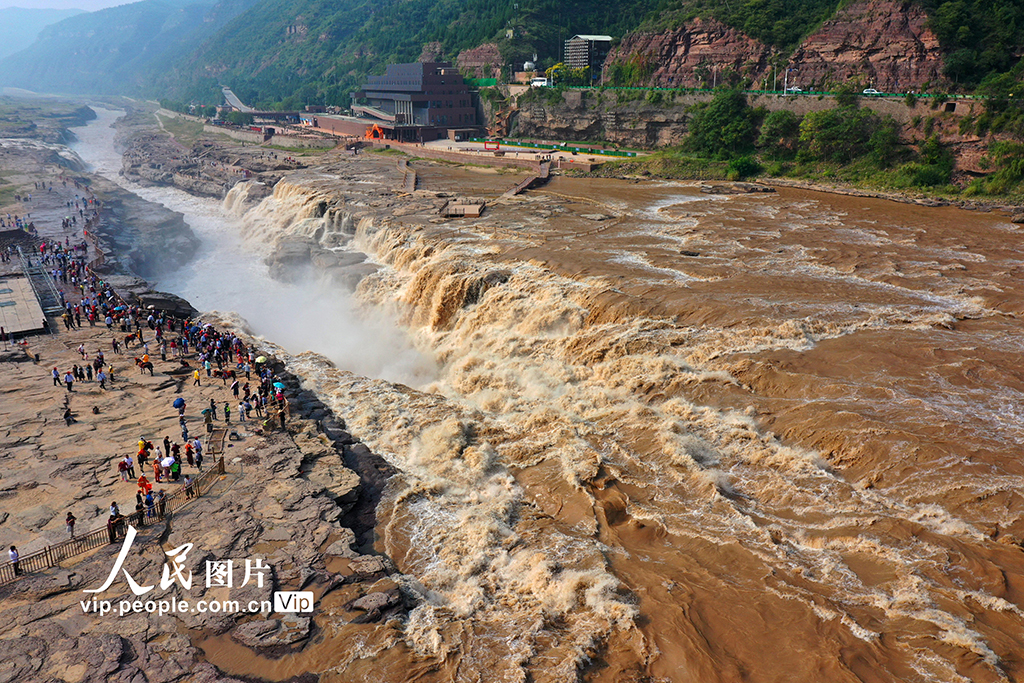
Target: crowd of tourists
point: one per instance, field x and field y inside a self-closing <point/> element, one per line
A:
<point x="161" y="469"/>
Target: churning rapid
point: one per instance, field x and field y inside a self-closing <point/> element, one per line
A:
<point x="229" y="272"/>
<point x="667" y="435"/>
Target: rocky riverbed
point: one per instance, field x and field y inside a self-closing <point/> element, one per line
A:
<point x="300" y="499"/>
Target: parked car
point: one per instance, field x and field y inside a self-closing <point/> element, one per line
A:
<point x="870" y="91"/>
<point x="794" y="89"/>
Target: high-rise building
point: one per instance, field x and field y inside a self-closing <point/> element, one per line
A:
<point x="587" y="50"/>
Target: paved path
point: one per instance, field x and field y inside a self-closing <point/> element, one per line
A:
<point x="233" y="100"/>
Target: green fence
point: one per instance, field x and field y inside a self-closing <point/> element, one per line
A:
<point x="697" y="91"/>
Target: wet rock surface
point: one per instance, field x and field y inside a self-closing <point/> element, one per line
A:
<point x="271" y="633"/>
<point x="734" y="188"/>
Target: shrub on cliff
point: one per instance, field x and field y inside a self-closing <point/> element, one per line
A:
<point x="932" y="167"/>
<point x="1004" y="108"/>
<point x="633" y="70"/>
<point x="1008" y="178"/>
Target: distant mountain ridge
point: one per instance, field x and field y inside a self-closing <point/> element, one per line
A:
<point x="20" y="26"/>
<point x="117" y="50"/>
<point x="316" y="51"/>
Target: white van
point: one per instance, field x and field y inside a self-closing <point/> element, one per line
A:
<point x="538" y="82"/>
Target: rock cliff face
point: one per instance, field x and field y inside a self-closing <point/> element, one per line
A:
<point x="883" y="42"/>
<point x="591" y="116"/>
<point x="432" y="52"/>
<point x="140" y="237"/>
<point x="482" y="62"/>
<point x="631" y="118"/>
<point x="695" y="55"/>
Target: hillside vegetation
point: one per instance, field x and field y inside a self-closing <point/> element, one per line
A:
<point x="118" y="50"/>
<point x="288" y="53"/>
<point x="294" y="52"/>
<point x="846" y="143"/>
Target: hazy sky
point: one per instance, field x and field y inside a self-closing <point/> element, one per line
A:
<point x="88" y="5"/>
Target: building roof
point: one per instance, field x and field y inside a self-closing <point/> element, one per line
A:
<point x="587" y="36"/>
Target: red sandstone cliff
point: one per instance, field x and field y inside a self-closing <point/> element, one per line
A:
<point x="883" y="42"/>
<point x="696" y="55"/>
<point x="432" y="52"/>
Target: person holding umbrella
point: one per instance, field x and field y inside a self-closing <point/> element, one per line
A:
<point x="179" y="403"/>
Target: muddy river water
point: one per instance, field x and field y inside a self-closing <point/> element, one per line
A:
<point x="647" y="433"/>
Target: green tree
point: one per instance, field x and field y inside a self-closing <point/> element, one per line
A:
<point x="839" y="135"/>
<point x="959" y="65"/>
<point x="779" y="134"/>
<point x="742" y="167"/>
<point x="847" y="94"/>
<point x="884" y="143"/>
<point x="722" y="128"/>
<point x="561" y="75"/>
<point x="237" y="118"/>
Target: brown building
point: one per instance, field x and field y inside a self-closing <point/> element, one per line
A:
<point x="416" y="102"/>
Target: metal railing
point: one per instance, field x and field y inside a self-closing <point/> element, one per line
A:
<point x="42" y="285"/>
<point x="53" y="555"/>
